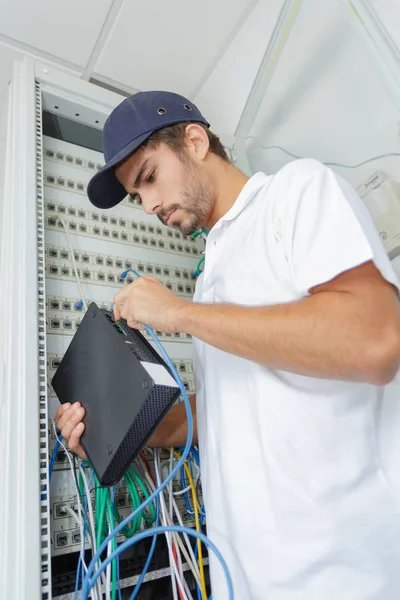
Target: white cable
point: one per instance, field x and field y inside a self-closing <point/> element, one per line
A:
<point x="78" y="281"/>
<point x="175" y="576"/>
<point x="95" y="591"/>
<point x="187" y="488"/>
<point x="187" y="553"/>
<point x="92" y="524"/>
<point x="174" y="573"/>
<point x="108" y="570"/>
<point x="172" y="506"/>
<point x="329" y="164"/>
<point x="73" y="514"/>
<point x="191" y="561"/>
<point x="171" y="519"/>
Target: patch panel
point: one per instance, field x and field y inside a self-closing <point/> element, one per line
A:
<point x="66" y="533"/>
<point x="79" y="163"/>
<point x="69" y="159"/>
<point x="112" y="228"/>
<point x="80" y="187"/>
<point x="103" y="269"/>
<point x="64" y="319"/>
<point x="103" y="218"/>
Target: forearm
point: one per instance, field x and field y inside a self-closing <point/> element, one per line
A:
<point x="319" y="336"/>
<point x="173" y="429"/>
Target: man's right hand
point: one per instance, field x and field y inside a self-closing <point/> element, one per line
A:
<point x="68" y="421"/>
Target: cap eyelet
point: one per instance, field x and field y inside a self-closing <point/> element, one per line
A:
<point x="187" y="107"/>
<point x="161" y="111"/>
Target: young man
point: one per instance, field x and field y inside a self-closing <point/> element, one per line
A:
<point x="296" y="329"/>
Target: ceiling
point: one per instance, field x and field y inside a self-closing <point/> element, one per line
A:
<point x="209" y="51"/>
<point x="195" y="49"/>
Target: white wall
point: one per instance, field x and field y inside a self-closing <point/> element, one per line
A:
<point x="223" y="96"/>
<point x="327" y="99"/>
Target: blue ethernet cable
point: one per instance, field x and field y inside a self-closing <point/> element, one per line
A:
<point x="90" y="582"/>
<point x="79" y="570"/>
<point x="51" y="466"/>
<point x="150" y="555"/>
<point x="53" y="458"/>
<point x="173" y="472"/>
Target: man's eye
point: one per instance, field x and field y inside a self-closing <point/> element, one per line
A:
<point x="151" y="176"/>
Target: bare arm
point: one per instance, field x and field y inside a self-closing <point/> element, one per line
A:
<point x="348" y="328"/>
<point x="172" y="430"/>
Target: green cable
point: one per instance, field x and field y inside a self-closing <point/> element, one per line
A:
<point x="113" y="548"/>
<point x="129" y="531"/>
<point x="101" y="501"/>
<point x="139" y="481"/>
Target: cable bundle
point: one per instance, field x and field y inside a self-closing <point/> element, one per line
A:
<point x="155" y="490"/>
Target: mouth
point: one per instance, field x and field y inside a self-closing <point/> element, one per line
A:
<point x="167" y="220"/>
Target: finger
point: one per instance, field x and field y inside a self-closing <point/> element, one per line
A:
<point x="67" y="414"/>
<point x="134" y="324"/>
<point x="72" y="422"/>
<point x="119" y="300"/>
<point x="74" y="440"/>
<point x="61" y="410"/>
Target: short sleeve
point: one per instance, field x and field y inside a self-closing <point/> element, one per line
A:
<point x="325" y="228"/>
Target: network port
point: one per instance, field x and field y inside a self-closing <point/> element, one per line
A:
<point x="76" y="538"/>
<point x="61" y="539"/>
<point x="61" y="510"/>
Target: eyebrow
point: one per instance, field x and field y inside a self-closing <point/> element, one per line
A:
<point x="140" y="174"/>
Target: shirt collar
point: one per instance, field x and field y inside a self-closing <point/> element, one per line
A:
<point x="249" y="190"/>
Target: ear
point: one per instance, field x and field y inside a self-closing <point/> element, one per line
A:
<point x="197" y="140"/>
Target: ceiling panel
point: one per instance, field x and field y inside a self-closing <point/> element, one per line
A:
<point x="67" y="29"/>
<point x="389" y="14"/>
<point x="168" y="45"/>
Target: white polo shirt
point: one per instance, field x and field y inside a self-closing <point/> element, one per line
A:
<point x="297" y="498"/>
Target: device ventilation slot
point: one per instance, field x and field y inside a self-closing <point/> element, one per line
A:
<point x="157" y="402"/>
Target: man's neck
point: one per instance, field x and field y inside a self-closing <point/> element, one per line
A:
<point x="229" y="182"/>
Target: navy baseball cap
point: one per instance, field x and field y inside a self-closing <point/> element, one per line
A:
<point x="129" y="125"/>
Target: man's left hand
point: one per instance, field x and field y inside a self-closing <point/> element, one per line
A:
<point x="148" y="301"/>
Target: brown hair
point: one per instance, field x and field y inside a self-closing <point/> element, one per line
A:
<point x="174" y="137"/>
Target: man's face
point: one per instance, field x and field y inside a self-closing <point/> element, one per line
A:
<point x="174" y="188"/>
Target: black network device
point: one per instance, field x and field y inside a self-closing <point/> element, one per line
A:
<point x="124" y="386"/>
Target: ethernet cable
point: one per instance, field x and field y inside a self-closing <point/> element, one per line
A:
<point x="78" y="281"/>
<point x="187" y="488"/>
<point x="188" y="555"/>
<point x="95" y="593"/>
<point x="186" y="450"/>
<point x="51" y="466"/>
<point x="91" y="520"/>
<point x="198" y="271"/>
<point x="190" y="560"/>
<point x="91" y="576"/>
<point x="178" y="576"/>
<point x="328" y="164"/>
<point x="196" y="516"/>
<point x="157" y="531"/>
<point x="82" y="550"/>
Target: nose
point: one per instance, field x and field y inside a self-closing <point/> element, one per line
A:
<point x="151" y="206"/>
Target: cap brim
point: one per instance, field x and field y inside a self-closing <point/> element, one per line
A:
<point x="104" y="190"/>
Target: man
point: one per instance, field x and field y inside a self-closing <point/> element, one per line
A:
<point x="296" y="329"/>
